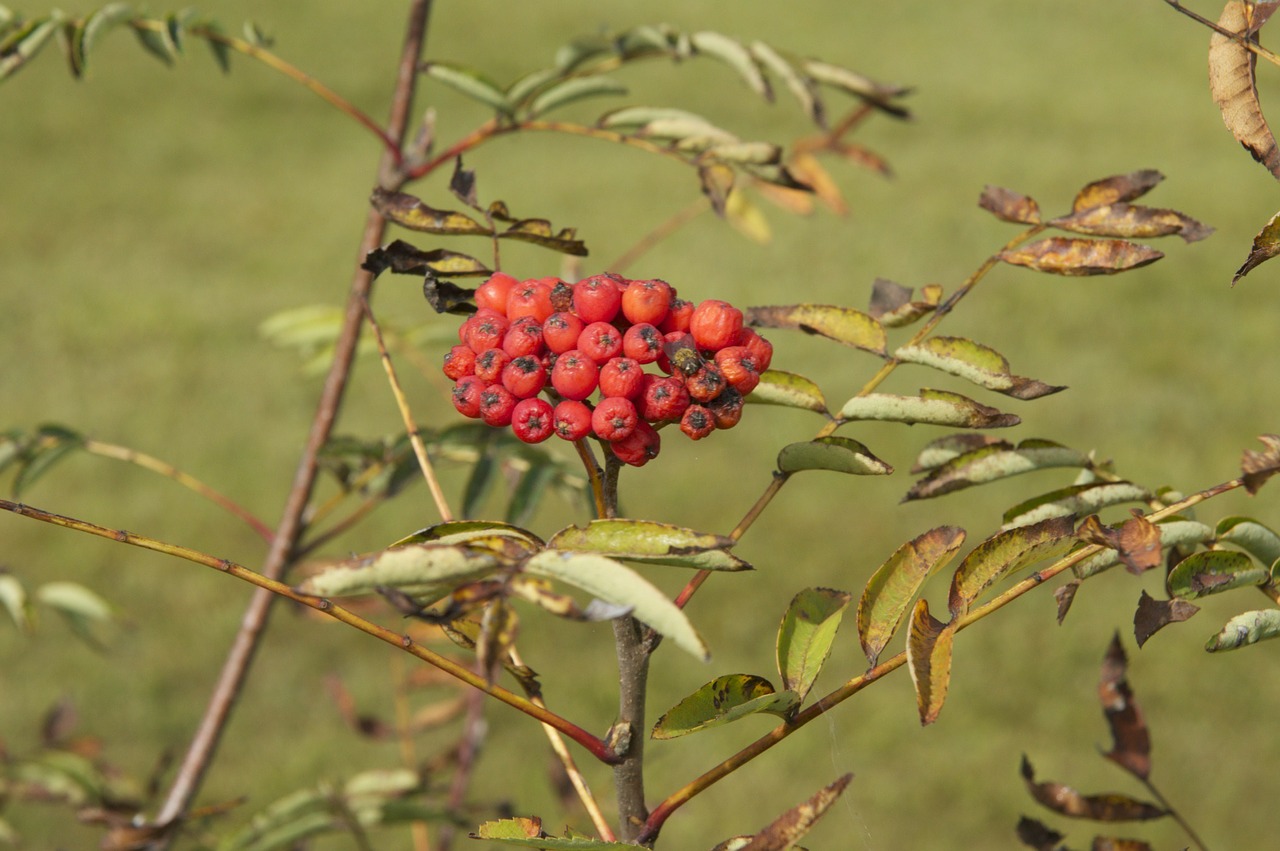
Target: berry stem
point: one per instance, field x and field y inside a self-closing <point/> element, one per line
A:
<point x="593" y="476"/>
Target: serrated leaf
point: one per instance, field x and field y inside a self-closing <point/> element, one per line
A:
<point x="1106" y="807"/>
<point x="1074" y="501"/>
<point x="721" y="701"/>
<point x="732" y="52"/>
<point x="838" y="454"/>
<point x="1131" y="221"/>
<point x="1245" y="629"/>
<point x="974" y="362"/>
<point x="1251" y="536"/>
<point x="410" y="212"/>
<point x="539" y="232"/>
<point x="20" y="46"/>
<point x="469" y="82"/>
<point x="789" y="390"/>
<point x="616" y="583"/>
<point x="991" y="462"/>
<point x="1010" y="206"/>
<point x="13" y="596"/>
<point x="1212" y="572"/>
<point x="1116" y="189"/>
<point x="1060" y="255"/>
<point x="1233" y="83"/>
<point x="650" y="542"/>
<point x="1265" y="246"/>
<point x="842" y="324"/>
<point x="574" y="89"/>
<point x="1173" y="533"/>
<point x="419" y="570"/>
<point x="806" y="634"/>
<point x="895" y="584"/>
<point x="931" y="407"/>
<point x="929" y="660"/>
<point x="1004" y="554"/>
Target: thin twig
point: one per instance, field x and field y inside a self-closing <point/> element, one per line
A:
<point x="1173" y="813"/>
<point x="1244" y="39"/>
<point x="673" y="223"/>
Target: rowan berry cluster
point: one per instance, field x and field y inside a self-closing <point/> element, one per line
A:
<point x="569" y="342"/>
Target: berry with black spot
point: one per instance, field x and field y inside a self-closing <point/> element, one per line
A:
<point x="662" y="399"/>
<point x="678" y="316"/>
<point x="575" y="376"/>
<point x="525" y="377"/>
<point x="621" y="377"/>
<point x="459" y="361"/>
<point x="490" y="363"/>
<point x="496" y="405"/>
<point x="600" y="341"/>
<point x="614" y="418"/>
<point x="561" y="331"/>
<point x="697" y="422"/>
<point x="738" y="366"/>
<point x="726" y="409"/>
<point x="524" y="337"/>
<point x="494" y="292"/>
<point x="642" y="342"/>
<point x="760" y="348"/>
<point x="597" y="299"/>
<point x="466" y="396"/>
<point x="485" y="330"/>
<point x="706" y="384"/>
<point x="646" y="301"/>
<point x="533" y="420"/>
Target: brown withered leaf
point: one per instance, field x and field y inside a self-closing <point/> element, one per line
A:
<point x="447" y="297"/>
<point x="1265" y="246"/>
<point x="1137" y="541"/>
<point x="1260" y="466"/>
<point x="1132" y="221"/>
<point x="929" y="645"/>
<point x="807" y="169"/>
<point x="891" y="303"/>
<point x="717" y="180"/>
<point x="1153" y="615"/>
<point x="60" y="721"/>
<point x="410" y="212"/>
<point x="404" y="258"/>
<point x="1036" y="834"/>
<point x="539" y="232"/>
<point x="1112" y="843"/>
<point x="1066" y="801"/>
<point x="1116" y="189"/>
<point x="368" y="726"/>
<point x="783" y="832"/>
<point x="1059" y="255"/>
<point x="1010" y="206"/>
<point x="1131" y="741"/>
<point x="1065" y="595"/>
<point x="1233" y="83"/>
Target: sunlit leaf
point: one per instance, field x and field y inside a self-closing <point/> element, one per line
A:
<point x="975" y="362"/>
<point x="650" y="542"/>
<point x="24" y="42"/>
<point x="1251" y="536"/>
<point x="746" y="218"/>
<point x="806" y="168"/>
<point x="1059" y="255"/>
<point x="732" y="52"/>
<point x="410" y="212"/>
<point x="880" y="95"/>
<point x="574" y="89"/>
<point x="842" y="324"/>
<point x="929" y="660"/>
<point x="800" y="85"/>
<point x="540" y="232"/>
<point x="792" y="825"/>
<point x="415" y="569"/>
<point x="1130" y="739"/>
<point x="528" y="833"/>
<point x="1130" y="221"/>
<point x="1212" y="572"/>
<point x="1068" y="802"/>
<point x="1257" y="467"/>
<point x="1010" y="206"/>
<point x="992" y="462"/>
<point x="948" y="447"/>
<point x="13" y="597"/>
<point x="895" y="584"/>
<point x="717" y="181"/>
<point x="1173" y="533"/>
<point x="1074" y="501"/>
<point x="839" y="454"/>
<point x="404" y="258"/>
<point x="789" y="390"/>
<point x="1136" y="541"/>
<point x="1245" y="629"/>
<point x="722" y="700"/>
<point x="1004" y="554"/>
<point x="1117" y="189"/>
<point x="931" y="407"/>
<point x="1232" y="81"/>
<point x="469" y="82"/>
<point x="806" y="634"/>
<point x="1153" y="615"/>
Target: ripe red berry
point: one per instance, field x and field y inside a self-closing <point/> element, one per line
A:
<point x="524" y="337"/>
<point x="662" y="399"/>
<point x="715" y="324"/>
<point x="484" y="330"/>
<point x="638" y="448"/>
<point x="494" y="292"/>
<point x="697" y="422"/>
<point x="678" y="316"/>
<point x="646" y="301"/>
<point x="496" y="405"/>
<point x="738" y="366"/>
<point x="706" y="384"/>
<point x="642" y="343"/>
<point x="575" y="375"/>
<point x="760" y="348"/>
<point x="597" y="299"/>
<point x="621" y="377"/>
<point x="532" y="420"/>
<point x="600" y="341"/>
<point x="614" y="418"/>
<point x="524" y="377"/>
<point x="459" y="361"/>
<point x="726" y="409"/>
<point x="466" y="396"/>
<point x="561" y="331"/>
<point x="531" y="298"/>
<point x="572" y="420"/>
<point x="490" y="363"/>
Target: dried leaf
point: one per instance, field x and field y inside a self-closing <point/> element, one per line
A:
<point x="1213" y="572"/>
<point x="1066" y="595"/>
<point x="1137" y="541"/>
<point x="539" y="232"/>
<point x="1173" y="533"/>
<point x="717" y="180"/>
<point x="1010" y="206"/>
<point x="929" y="660"/>
<point x="932" y="407"/>
<point x="1068" y="802"/>
<point x="446" y="297"/>
<point x="1111" y="843"/>
<point x="1153" y="615"/>
<point x="792" y="825"/>
<point x="974" y="362"/>
<point x="1060" y="255"/>
<point x="1130" y="221"/>
<point x="1260" y="466"/>
<point x="410" y="212"/>
<point x="891" y="303"/>
<point x="806" y="168"/>
<point x="403" y="258"/>
<point x="1131" y="741"/>
<point x="1117" y="189"/>
<point x="842" y="324"/>
<point x="1265" y="246"/>
<point x="1035" y="834"/>
<point x="1233" y="84"/>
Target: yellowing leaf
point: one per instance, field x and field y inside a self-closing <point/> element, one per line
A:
<point x="1232" y="81"/>
<point x="1117" y="189"/>
<point x="975" y="362"/>
<point x="1010" y="206"/>
<point x="650" y="542"/>
<point x="842" y="324"/>
<point x="931" y="407"/>
<point x="410" y="212"/>
<point x="1265" y="246"/>
<point x="1004" y="554"/>
<point x="1130" y="221"/>
<point x="989" y="462"/>
<point x="721" y="701"/>
<point x="806" y="634"/>
<point x="416" y="570"/>
<point x="790" y="390"/>
<point x="929" y="660"/>
<point x="1059" y="255"/>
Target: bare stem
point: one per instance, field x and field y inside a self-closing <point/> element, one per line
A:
<point x="673" y="223"/>
<point x="1244" y="39"/>
<point x="1174" y="814"/>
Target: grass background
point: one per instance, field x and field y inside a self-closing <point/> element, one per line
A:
<point x="150" y="219"/>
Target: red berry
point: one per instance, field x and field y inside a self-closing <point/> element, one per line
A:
<point x="760" y="348"/>
<point x="490" y="363"/>
<point x="524" y="377"/>
<point x="715" y="324"/>
<point x="726" y="408"/>
<point x="697" y="422"/>
<point x="459" y="361"/>
<point x="662" y="399"/>
<point x="706" y="384"/>
<point x="646" y="301"/>
<point x="600" y="341"/>
<point x="561" y="331"/>
<point x="466" y="396"/>
<point x="575" y="375"/>
<point x="621" y="377"/>
<point x="494" y="292"/>
<point x="642" y="343"/>
<point x="677" y="317"/>
<point x="532" y="420"/>
<point x="531" y="298"/>
<point x="496" y="405"/>
<point x="572" y="420"/>
<point x="614" y="418"/>
<point x="638" y="448"/>
<point x="738" y="366"/>
<point x="485" y="330"/>
<point x="524" y="337"/>
<point x="597" y="299"/>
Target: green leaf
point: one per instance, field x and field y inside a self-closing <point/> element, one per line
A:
<point x="1074" y="501"/>
<point x="525" y="87"/>
<point x="1245" y="629"/>
<point x="469" y="82"/>
<point x="842" y="324"/>
<point x="527" y="833"/>
<point x="159" y="42"/>
<point x="993" y="462"/>
<point x="419" y="570"/>
<point x="572" y="55"/>
<point x="14" y="599"/>
<point x="943" y="449"/>
<point x="895" y="584"/>
<point x="839" y="454"/>
<point x="929" y="660"/>
<point x="732" y="52"/>
<point x="974" y="362"/>
<point x="574" y="89"/>
<point x="221" y="52"/>
<point x="470" y="531"/>
<point x="650" y="542"/>
<point x="1173" y="533"/>
<point x="84" y="611"/>
<point x="616" y="583"/>
<point x="851" y="82"/>
<point x="21" y="45"/>
<point x="806" y="634"/>
<point x="529" y="491"/>
<point x="747" y="153"/>
<point x="1004" y="554"/>
<point x="484" y="474"/>
<point x="722" y="700"/>
<point x="1251" y="536"/>
<point x="1204" y="573"/>
<point x="86" y="35"/>
<point x="801" y="87"/>
<point x="931" y="407"/>
<point x="409" y="212"/>
<point x="789" y="390"/>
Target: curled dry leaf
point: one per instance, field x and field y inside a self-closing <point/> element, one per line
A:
<point x="1232" y="80"/>
<point x="929" y="660"/>
<point x="1137" y="541"/>
<point x="1117" y="189"/>
<point x="796" y="822"/>
<point x="1132" y="221"/>
<point x="1035" y="834"/>
<point x="1066" y="801"/>
<point x="1131" y="741"/>
<point x="1260" y="466"/>
<point x="1065" y="595"/>
<point x="1265" y="246"/>
<point x="1010" y="206"/>
<point x="1059" y="255"/>
<point x="1154" y="615"/>
<point x="892" y="305"/>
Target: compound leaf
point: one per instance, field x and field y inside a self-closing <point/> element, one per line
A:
<point x="1106" y="807"/>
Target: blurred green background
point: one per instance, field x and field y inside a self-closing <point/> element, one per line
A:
<point x="151" y="219"/>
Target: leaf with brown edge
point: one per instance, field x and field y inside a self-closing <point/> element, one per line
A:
<point x="447" y="297"/>
<point x="1065" y="595"/>
<point x="929" y="660"/>
<point x="1137" y="541"/>
<point x="1265" y="246"/>
<point x="1213" y="572"/>
<point x="1233" y="84"/>
<point x="1153" y="615"/>
<point x="1130" y="738"/>
<point x="792" y="825"/>
<point x="1059" y="255"/>
<point x="806" y="168"/>
<point x="1010" y="206"/>
<point x="410" y="212"/>
<point x="842" y="324"/>
<point x="1066" y="801"/>
<point x="1260" y="466"/>
<point x="1006" y="553"/>
<point x="806" y="634"/>
<point x="991" y="462"/>
<point x="895" y="584"/>
<point x="931" y="407"/>
<point x="539" y="232"/>
<point x="974" y="362"/>
<point x="1130" y="221"/>
<point x="1035" y="834"/>
<point x="403" y="258"/>
<point x="717" y="181"/>
<point x="1117" y="189"/>
<point x="938" y="452"/>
